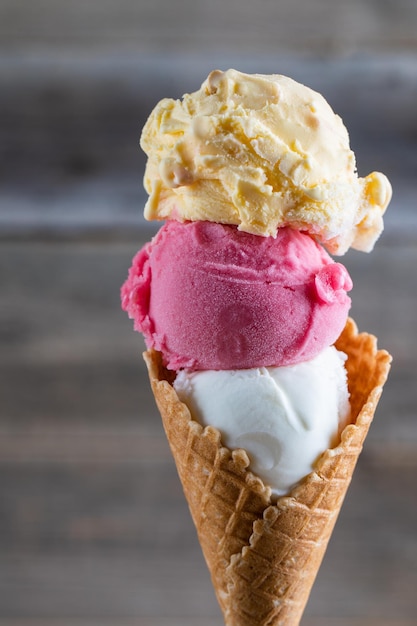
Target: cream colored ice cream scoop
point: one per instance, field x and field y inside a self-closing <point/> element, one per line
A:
<point x="260" y="152"/>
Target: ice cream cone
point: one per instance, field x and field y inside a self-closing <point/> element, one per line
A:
<point x="263" y="556"/>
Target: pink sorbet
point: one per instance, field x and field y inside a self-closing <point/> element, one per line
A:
<point x="210" y="297"/>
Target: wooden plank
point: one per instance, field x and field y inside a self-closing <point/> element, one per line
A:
<point x="158" y="26"/>
<point x="194" y="621"/>
<point x="70" y="128"/>
<point x="118" y="541"/>
<point x="62" y="298"/>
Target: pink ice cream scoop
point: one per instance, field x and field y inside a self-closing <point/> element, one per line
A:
<point x="210" y="297"/>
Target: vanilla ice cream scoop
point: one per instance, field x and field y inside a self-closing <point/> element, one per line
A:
<point x="260" y="152"/>
<point x="283" y="417"/>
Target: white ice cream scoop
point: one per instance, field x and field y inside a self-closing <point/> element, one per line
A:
<point x="283" y="417"/>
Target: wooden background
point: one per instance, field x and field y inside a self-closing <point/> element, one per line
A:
<point x="94" y="530"/>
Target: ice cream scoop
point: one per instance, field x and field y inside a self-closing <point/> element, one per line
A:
<point x="283" y="417"/>
<point x="211" y="297"/>
<point x="260" y="152"/>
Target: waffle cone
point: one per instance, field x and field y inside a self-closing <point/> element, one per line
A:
<point x="263" y="556"/>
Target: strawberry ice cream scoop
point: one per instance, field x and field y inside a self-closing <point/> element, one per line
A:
<point x="210" y="297"/>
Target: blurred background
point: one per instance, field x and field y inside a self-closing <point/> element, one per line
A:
<point x="94" y="529"/>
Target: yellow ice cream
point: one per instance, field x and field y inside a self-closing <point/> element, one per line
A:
<point x="260" y="152"/>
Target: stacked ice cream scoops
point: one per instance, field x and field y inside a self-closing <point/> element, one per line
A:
<point x="265" y="388"/>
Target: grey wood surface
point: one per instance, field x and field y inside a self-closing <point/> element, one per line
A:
<point x="94" y="529"/>
<point x="93" y="523"/>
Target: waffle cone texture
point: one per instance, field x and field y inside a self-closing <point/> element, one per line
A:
<point x="264" y="556"/>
